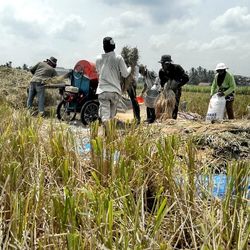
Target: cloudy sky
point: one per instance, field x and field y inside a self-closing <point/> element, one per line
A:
<point x="195" y="32"/>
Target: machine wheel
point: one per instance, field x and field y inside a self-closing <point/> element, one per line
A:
<point x="63" y="112"/>
<point x="89" y="112"/>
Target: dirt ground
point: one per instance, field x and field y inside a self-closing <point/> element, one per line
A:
<point x="217" y="143"/>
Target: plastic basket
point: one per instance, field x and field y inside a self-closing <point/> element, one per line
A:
<point x="151" y="98"/>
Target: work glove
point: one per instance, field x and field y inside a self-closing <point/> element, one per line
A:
<point x="220" y="93"/>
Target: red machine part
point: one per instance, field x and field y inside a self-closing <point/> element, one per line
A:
<point x="88" y="69"/>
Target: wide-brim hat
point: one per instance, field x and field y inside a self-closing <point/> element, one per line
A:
<point x="221" y="66"/>
<point x="165" y="59"/>
<point x="53" y="60"/>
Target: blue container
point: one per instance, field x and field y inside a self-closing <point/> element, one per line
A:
<point x="81" y="82"/>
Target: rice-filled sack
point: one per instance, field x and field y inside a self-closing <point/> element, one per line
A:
<point x="216" y="108"/>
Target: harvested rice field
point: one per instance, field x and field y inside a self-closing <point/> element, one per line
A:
<point x="173" y="184"/>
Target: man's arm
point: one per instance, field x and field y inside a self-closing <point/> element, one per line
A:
<point x="181" y="76"/>
<point x="125" y="71"/>
<point x="214" y="86"/>
<point x="34" y="68"/>
<point x="231" y="83"/>
<point x="163" y="78"/>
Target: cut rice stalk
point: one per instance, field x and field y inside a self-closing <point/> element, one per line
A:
<point x="165" y="105"/>
<point x="130" y="56"/>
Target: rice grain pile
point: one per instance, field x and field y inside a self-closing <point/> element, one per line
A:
<point x="131" y="57"/>
<point x="165" y="104"/>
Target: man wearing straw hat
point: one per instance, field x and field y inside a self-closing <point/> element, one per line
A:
<point x="175" y="76"/>
<point x="41" y="72"/>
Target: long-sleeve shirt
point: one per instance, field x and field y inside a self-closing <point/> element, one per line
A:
<point x="42" y="71"/>
<point x="175" y="72"/>
<point x="110" y="68"/>
<point x="228" y="85"/>
<point x="149" y="80"/>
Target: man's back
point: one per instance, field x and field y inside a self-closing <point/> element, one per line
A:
<point x="110" y="68"/>
<point x="42" y="71"/>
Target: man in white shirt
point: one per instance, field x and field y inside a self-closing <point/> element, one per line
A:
<point x="110" y="68"/>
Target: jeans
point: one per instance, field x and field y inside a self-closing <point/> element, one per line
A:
<point x="36" y="88"/>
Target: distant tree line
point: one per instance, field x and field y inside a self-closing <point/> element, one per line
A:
<point x="196" y="75"/>
<point x="9" y="65"/>
<point x="202" y="75"/>
<point x="199" y="75"/>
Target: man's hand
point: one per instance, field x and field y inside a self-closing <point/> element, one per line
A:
<point x="220" y="93"/>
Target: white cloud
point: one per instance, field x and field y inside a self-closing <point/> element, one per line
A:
<point x="133" y="19"/>
<point x="161" y="11"/>
<point x="236" y="19"/>
<point x="71" y="29"/>
<point x="14" y="25"/>
<point x="180" y="25"/>
<point x="189" y="3"/>
<point x="27" y="10"/>
<point x="125" y="25"/>
<point x="34" y="30"/>
<point x="190" y="45"/>
<point x="158" y="41"/>
<point x="221" y="43"/>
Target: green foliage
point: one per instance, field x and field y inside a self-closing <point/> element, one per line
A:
<point x="197" y="102"/>
<point x="240" y="90"/>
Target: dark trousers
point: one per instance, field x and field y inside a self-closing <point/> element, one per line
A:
<point x="229" y="109"/>
<point x="177" y="101"/>
<point x="150" y="114"/>
<point x="136" y="108"/>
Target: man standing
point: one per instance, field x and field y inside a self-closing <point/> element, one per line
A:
<point x="173" y="75"/>
<point x="41" y="72"/>
<point x="110" y="68"/>
<point x="149" y="79"/>
<point x="224" y="85"/>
